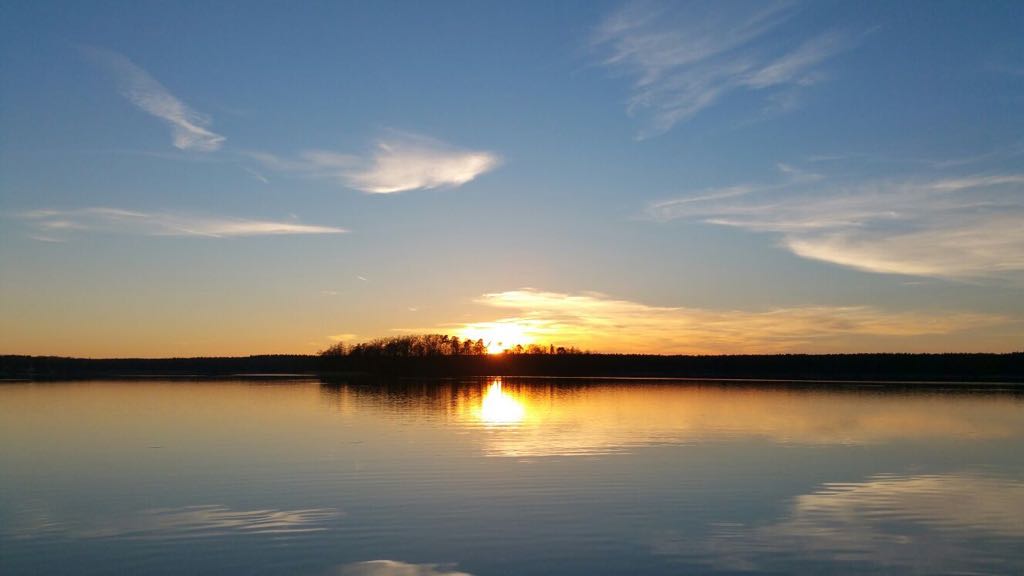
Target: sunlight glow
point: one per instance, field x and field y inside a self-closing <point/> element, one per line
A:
<point x="499" y="407"/>
<point x="498" y="336"/>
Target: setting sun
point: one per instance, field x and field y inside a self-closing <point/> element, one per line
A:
<point x="498" y="336"/>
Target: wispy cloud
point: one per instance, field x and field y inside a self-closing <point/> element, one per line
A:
<point x="685" y="58"/>
<point x="189" y="129"/>
<point x="55" y="225"/>
<point x="256" y="175"/>
<point x="597" y="321"/>
<point x="399" y="163"/>
<point x="311" y="163"/>
<point x="1006" y="153"/>
<point x="964" y="227"/>
<point x="415" y="162"/>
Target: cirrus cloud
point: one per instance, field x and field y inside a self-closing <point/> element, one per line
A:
<point x="189" y="129"/>
<point x="966" y="227"/>
<point x="55" y="225"/>
<point x="684" y="58"/>
<point x="400" y="162"/>
<point x="412" y="163"/>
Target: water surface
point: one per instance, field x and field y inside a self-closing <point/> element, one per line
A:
<point x="489" y="477"/>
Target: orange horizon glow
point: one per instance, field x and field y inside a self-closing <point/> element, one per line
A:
<point x="584" y="320"/>
<point x="498" y="336"/>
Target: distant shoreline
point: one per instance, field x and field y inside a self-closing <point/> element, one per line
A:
<point x="887" y="369"/>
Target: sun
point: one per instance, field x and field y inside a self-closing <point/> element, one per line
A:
<point x="498" y="336"/>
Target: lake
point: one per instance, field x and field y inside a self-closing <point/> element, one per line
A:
<point x="507" y="476"/>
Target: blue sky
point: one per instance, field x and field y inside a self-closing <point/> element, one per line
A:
<point x="181" y="178"/>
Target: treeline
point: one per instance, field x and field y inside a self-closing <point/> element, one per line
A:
<point x="57" y="367"/>
<point x="790" y="367"/>
<point x="433" y="345"/>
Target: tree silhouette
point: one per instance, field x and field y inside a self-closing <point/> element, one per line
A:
<point x="431" y="345"/>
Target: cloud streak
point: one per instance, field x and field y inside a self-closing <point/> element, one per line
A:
<point x="966" y="227"/>
<point x="57" y="225"/>
<point x="597" y="321"/>
<point x="189" y="129"/>
<point x="400" y="162"/>
<point x="683" y="59"/>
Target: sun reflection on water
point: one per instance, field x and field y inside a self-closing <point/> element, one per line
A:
<point x="500" y="407"/>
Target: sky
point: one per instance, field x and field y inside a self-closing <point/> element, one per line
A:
<point x="232" y="178"/>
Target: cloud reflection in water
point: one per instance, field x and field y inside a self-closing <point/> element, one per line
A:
<point x="928" y="523"/>
<point x="396" y="568"/>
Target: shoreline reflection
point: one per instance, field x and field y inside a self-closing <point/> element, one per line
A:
<point x="509" y="476"/>
<point x="558" y="418"/>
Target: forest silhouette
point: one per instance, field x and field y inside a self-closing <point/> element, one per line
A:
<point x="440" y="355"/>
<point x="432" y="345"/>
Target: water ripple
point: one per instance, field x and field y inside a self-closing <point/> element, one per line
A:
<point x="202" y="521"/>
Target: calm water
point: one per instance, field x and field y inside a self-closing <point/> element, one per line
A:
<point x="516" y="477"/>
